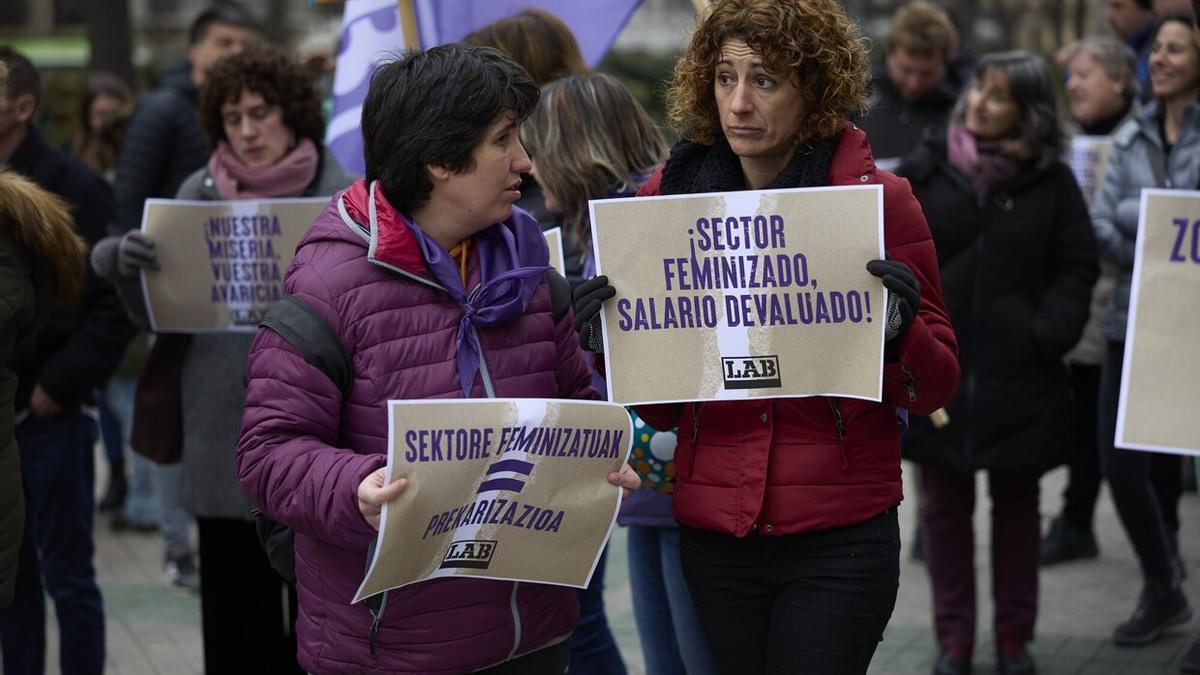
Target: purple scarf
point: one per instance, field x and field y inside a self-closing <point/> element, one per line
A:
<point x="984" y="162"/>
<point x="513" y="258"/>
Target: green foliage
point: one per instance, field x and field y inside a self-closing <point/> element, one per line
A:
<point x="646" y="76"/>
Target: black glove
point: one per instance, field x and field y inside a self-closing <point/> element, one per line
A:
<point x="589" y="298"/>
<point x="904" y="296"/>
<point x="135" y="253"/>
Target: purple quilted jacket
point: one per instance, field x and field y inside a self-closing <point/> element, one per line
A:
<point x="304" y="449"/>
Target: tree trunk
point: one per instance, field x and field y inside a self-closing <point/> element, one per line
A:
<point x="110" y="35"/>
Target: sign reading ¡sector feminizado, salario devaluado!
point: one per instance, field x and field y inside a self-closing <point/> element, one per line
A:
<point x="512" y="489"/>
<point x="742" y="294"/>
<point x="221" y="263"/>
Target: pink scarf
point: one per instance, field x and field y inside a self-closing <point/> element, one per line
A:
<point x="988" y="164"/>
<point x="288" y="177"/>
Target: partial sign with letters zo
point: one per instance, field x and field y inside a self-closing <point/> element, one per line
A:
<point x="742" y="294"/>
<point x="1160" y="380"/>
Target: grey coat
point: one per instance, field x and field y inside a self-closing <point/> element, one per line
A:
<point x="214" y="376"/>
<point x="1137" y="150"/>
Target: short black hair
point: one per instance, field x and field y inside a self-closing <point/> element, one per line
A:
<point x="1147" y="5"/>
<point x="226" y="13"/>
<point x="23" y="77"/>
<point x="434" y="107"/>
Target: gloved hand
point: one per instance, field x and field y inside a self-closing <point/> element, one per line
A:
<point x="135" y="253"/>
<point x="904" y="296"/>
<point x="589" y="298"/>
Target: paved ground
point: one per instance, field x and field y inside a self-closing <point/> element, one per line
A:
<point x="154" y="629"/>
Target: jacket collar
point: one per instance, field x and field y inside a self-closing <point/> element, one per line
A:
<point x="696" y="168"/>
<point x="1149" y="121"/>
<point x="367" y="212"/>
<point x="29" y="152"/>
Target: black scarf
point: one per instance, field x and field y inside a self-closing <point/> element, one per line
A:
<point x="694" y="168"/>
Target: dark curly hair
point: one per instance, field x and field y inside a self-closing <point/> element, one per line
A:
<point x="270" y="73"/>
<point x="811" y="42"/>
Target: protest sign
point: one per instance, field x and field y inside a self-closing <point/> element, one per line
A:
<point x="742" y="294"/>
<point x="1160" y="380"/>
<point x="1088" y="159"/>
<point x="221" y="263"/>
<point x="511" y="489"/>
<point x="554" y="241"/>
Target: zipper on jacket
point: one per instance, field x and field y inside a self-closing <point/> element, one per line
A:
<point x="695" y="421"/>
<point x="516" y="623"/>
<point x="909" y="385"/>
<point x="375" y="604"/>
<point x="376" y="617"/>
<point x="484" y="374"/>
<point x="840" y="423"/>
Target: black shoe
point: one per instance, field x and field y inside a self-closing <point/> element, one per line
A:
<point x="1015" y="661"/>
<point x="1157" y="609"/>
<point x="115" y="491"/>
<point x="1065" y="542"/>
<point x="953" y="662"/>
<point x="1191" y="659"/>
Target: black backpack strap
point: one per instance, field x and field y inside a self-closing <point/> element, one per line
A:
<point x="560" y="294"/>
<point x="306" y="330"/>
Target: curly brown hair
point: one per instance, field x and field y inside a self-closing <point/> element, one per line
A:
<point x="271" y="73"/>
<point x="812" y="42"/>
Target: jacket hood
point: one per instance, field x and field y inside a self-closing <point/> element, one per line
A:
<point x="41" y="222"/>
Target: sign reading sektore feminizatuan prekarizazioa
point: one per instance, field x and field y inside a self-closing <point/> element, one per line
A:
<point x="742" y="294"/>
<point x="221" y="263"/>
<point x="1160" y="380"/>
<point x="512" y="489"/>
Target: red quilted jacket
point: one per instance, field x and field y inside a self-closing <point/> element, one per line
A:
<point x="781" y="466"/>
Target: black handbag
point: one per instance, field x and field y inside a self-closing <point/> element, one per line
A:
<point x="157" y="430"/>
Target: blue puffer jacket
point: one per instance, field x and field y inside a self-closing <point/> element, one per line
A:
<point x="1137" y="150"/>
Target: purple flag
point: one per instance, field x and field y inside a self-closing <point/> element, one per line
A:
<point x="596" y="23"/>
<point x="372" y="33"/>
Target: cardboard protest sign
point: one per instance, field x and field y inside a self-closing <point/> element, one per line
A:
<point x="1160" y="380"/>
<point x="742" y="294"/>
<point x="554" y="240"/>
<point x="222" y="263"/>
<point x="512" y="489"/>
<point x="1088" y="159"/>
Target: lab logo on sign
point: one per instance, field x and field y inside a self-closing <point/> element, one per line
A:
<point x="751" y="372"/>
<point x="470" y="554"/>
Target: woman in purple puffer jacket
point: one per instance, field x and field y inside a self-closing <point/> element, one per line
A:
<point x="388" y="265"/>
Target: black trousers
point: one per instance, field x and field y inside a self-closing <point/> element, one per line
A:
<point x="1083" y="454"/>
<point x="1145" y="486"/>
<point x="248" y="611"/>
<point x="813" y="602"/>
